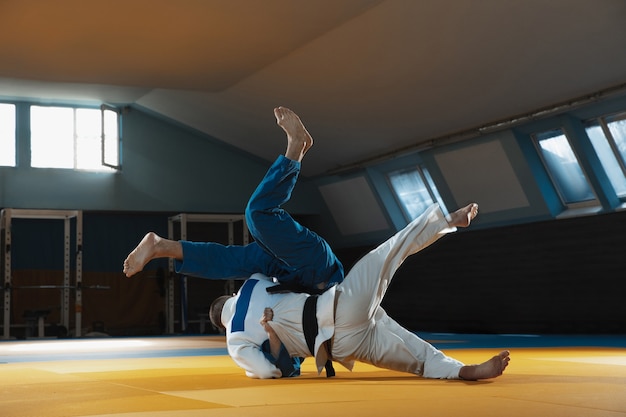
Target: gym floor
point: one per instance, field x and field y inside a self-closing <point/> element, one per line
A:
<point x="192" y="376"/>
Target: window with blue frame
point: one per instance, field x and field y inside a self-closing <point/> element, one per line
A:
<point x="564" y="168"/>
<point x="414" y="190"/>
<point x="74" y="138"/>
<point x="608" y="136"/>
<point x="7" y="135"/>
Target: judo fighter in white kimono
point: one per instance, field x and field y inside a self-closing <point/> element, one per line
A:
<point x="348" y="322"/>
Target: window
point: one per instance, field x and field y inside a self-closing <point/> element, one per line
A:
<point x="609" y="141"/>
<point x="564" y="168"/>
<point x="414" y="190"/>
<point x="74" y="138"/>
<point x="7" y="135"/>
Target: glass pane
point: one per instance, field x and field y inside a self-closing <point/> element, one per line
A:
<point x="52" y="137"/>
<point x="7" y="135"/>
<point x="88" y="153"/>
<point x="563" y="166"/>
<point x="88" y="128"/>
<point x="88" y="123"/>
<point x="434" y="190"/>
<point x="607" y="158"/>
<point x="111" y="138"/>
<point x="411" y="191"/>
<point x="618" y="130"/>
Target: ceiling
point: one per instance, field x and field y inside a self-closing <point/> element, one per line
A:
<point x="368" y="77"/>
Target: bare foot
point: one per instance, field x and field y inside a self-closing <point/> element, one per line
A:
<point x="152" y="246"/>
<point x="489" y="369"/>
<point x="298" y="138"/>
<point x="463" y="216"/>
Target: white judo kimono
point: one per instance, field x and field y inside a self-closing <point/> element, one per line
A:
<point x="349" y="314"/>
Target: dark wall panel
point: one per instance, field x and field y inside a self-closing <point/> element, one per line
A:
<point x="566" y="276"/>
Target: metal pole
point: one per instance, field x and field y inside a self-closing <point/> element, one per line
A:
<point x="169" y="285"/>
<point x="5" y="225"/>
<point x="183" y="279"/>
<point x="65" y="292"/>
<point x="79" y="273"/>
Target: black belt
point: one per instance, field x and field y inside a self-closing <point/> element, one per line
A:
<point x="281" y="288"/>
<point x="310" y="328"/>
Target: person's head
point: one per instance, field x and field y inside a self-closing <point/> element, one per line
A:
<point x="215" y="311"/>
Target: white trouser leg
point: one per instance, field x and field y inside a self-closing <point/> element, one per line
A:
<point x="360" y="294"/>
<point x="389" y="345"/>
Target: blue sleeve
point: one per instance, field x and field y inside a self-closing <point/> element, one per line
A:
<point x="289" y="367"/>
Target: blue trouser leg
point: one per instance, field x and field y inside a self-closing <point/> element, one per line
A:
<point x="215" y="261"/>
<point x="306" y="257"/>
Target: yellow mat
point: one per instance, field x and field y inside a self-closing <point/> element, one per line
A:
<point x="551" y="382"/>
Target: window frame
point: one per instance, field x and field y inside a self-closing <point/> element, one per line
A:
<point x="602" y="124"/>
<point x="594" y="202"/>
<point x="104" y="167"/>
<point x="426" y="179"/>
<point x="103" y="153"/>
<point x="621" y="159"/>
